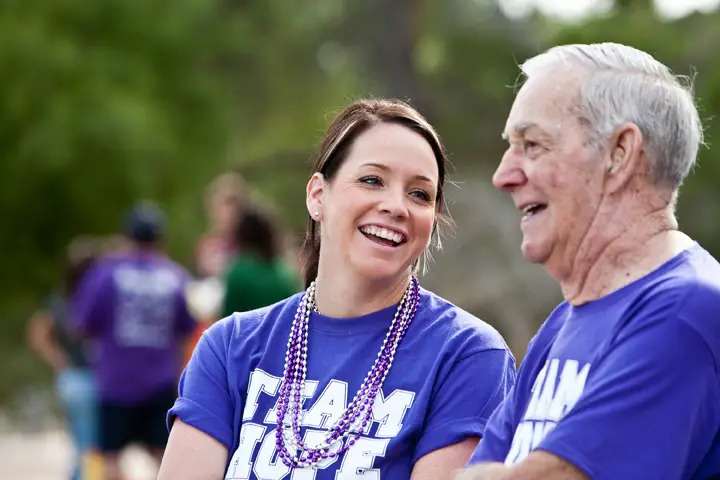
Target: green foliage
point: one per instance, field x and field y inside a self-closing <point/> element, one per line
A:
<point x="108" y="102"/>
<point x="103" y="103"/>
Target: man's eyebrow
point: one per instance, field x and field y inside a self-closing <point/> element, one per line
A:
<point x="521" y="129"/>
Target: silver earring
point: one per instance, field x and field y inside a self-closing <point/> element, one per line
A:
<point x="316" y="213"/>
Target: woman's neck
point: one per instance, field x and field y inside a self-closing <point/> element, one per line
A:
<point x="345" y="297"/>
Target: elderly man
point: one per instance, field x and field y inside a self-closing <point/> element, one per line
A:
<point x="621" y="381"/>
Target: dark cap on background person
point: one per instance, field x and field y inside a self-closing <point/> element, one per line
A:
<point x="145" y="223"/>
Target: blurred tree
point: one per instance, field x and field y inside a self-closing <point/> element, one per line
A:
<point x="107" y="102"/>
<point x="101" y="104"/>
<point x="624" y="5"/>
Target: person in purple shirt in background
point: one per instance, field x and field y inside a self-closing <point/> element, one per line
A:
<point x="132" y="306"/>
<point x="271" y="393"/>
<point x="621" y="382"/>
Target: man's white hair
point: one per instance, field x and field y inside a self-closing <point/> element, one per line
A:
<point x="624" y="85"/>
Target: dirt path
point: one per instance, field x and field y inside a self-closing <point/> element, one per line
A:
<point x="47" y="456"/>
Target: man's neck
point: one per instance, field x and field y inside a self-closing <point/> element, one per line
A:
<point x="621" y="254"/>
<point x="145" y="248"/>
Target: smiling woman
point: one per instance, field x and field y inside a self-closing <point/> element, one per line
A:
<point x="267" y="393"/>
<point x="377" y="211"/>
<point x="387" y="147"/>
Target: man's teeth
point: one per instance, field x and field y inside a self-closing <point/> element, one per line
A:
<point x="530" y="208"/>
<point x="383" y="233"/>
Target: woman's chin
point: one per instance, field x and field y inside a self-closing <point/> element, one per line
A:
<point x="381" y="270"/>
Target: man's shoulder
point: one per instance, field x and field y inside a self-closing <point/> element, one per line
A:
<point x="691" y="290"/>
<point x="550" y="327"/>
<point x="102" y="270"/>
<point x="691" y="268"/>
<point x="680" y="304"/>
<point x="691" y="280"/>
<point x="108" y="262"/>
<point x="699" y="306"/>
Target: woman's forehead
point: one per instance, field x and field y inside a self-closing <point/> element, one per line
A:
<point x="393" y="146"/>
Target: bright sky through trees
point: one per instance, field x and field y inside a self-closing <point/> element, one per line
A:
<point x="577" y="9"/>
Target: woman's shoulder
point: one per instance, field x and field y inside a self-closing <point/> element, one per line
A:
<point x="457" y="324"/>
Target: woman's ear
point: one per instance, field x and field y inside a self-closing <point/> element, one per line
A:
<point x="314" y="195"/>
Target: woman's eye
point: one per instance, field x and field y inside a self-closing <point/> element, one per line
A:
<point x="371" y="180"/>
<point x="421" y="195"/>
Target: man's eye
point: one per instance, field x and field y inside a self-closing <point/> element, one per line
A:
<point x="529" y="145"/>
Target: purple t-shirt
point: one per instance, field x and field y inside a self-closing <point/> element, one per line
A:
<point x="449" y="373"/>
<point x="624" y="387"/>
<point x="133" y="307"/>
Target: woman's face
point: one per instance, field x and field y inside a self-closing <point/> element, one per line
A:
<point x="377" y="214"/>
<point x="223" y="210"/>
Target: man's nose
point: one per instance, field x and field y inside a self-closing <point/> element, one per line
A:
<point x="509" y="174"/>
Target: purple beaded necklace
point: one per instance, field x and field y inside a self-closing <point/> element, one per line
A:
<point x="358" y="414"/>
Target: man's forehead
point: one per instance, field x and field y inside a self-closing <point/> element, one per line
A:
<point x="521" y="128"/>
<point x="541" y="104"/>
<point x="545" y="126"/>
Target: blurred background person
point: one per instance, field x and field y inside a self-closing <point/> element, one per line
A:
<point x="52" y="337"/>
<point x="158" y="102"/>
<point x="225" y="199"/>
<point x="132" y="306"/>
<point x="258" y="274"/>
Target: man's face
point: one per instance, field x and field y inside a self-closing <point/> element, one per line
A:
<point x="553" y="176"/>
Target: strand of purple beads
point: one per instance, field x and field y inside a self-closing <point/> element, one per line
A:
<point x="358" y="415"/>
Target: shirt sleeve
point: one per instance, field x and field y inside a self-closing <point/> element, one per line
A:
<point x="462" y="405"/>
<point x="89" y="304"/>
<point x="500" y="430"/>
<point x="647" y="409"/>
<point x="205" y="401"/>
<point x="495" y="442"/>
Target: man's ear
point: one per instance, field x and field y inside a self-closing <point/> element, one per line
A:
<point x="625" y="154"/>
<point x="314" y="193"/>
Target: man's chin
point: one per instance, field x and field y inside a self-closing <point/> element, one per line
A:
<point x="533" y="252"/>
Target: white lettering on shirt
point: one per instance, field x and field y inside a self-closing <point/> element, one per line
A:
<point x="551" y="400"/>
<point x="257" y="452"/>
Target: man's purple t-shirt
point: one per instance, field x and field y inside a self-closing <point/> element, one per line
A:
<point x="624" y="387"/>
<point x="133" y="307"/>
<point x="450" y="372"/>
